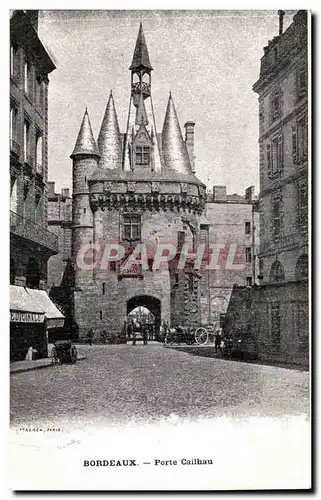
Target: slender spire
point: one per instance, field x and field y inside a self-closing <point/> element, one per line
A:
<point x="85" y="144"/>
<point x="141" y="56"/>
<point x="173" y="145"/>
<point x="109" y="140"/>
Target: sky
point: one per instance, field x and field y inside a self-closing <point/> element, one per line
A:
<point x="209" y="60"/>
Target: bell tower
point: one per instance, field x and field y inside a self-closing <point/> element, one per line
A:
<point x="141" y="151"/>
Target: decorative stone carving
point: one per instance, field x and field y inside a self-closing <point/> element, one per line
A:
<point x="108" y="186"/>
<point x="155" y="187"/>
<point x="131" y="186"/>
<point x="150" y="201"/>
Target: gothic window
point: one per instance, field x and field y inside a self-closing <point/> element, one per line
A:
<point x="249" y="281"/>
<point x="277" y="272"/>
<point x="142" y="155"/>
<point x="248" y="254"/>
<point x="131" y="227"/>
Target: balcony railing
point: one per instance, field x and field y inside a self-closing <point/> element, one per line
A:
<point x="15" y="147"/>
<point x="26" y="228"/>
<point x="29" y="159"/>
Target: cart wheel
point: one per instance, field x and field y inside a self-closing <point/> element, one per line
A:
<point x="73" y="354"/>
<point x="201" y="335"/>
<point x="54" y="356"/>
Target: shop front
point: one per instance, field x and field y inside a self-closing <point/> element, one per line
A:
<point x="32" y="313"/>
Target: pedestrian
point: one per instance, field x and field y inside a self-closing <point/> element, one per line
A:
<point x="218" y="340"/>
<point x="104" y="337"/>
<point x="145" y="335"/>
<point x="90" y="336"/>
<point x="134" y="336"/>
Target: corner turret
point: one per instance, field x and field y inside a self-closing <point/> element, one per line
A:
<point x="85" y="157"/>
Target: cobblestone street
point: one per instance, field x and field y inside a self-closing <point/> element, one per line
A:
<point x="121" y="383"/>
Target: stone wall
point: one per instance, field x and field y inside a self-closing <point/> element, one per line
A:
<point x="250" y="317"/>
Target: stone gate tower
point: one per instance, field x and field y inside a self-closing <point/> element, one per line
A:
<point x="132" y="191"/>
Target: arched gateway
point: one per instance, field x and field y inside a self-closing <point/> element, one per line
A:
<point x="151" y="303"/>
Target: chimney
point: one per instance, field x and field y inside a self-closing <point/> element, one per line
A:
<point x="219" y="193"/>
<point x="249" y="193"/>
<point x="189" y="141"/>
<point x="281" y="14"/>
<point x="65" y="192"/>
<point x="51" y="188"/>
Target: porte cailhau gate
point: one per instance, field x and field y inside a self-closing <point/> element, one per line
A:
<point x="132" y="187"/>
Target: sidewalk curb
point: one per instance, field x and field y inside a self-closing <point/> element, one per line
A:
<point x="39" y="367"/>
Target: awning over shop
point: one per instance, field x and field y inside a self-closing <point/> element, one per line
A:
<point x="54" y="318"/>
<point x="23" y="309"/>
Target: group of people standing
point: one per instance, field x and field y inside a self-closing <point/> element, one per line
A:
<point x="131" y="328"/>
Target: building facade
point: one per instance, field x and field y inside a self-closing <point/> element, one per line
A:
<point x="233" y="228"/>
<point x="31" y="244"/>
<point x="131" y="189"/>
<point x="60" y="270"/>
<point x="280" y="303"/>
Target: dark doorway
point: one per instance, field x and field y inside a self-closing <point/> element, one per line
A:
<point x="150" y="303"/>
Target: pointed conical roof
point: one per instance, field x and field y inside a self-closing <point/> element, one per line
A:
<point x="141" y="56"/>
<point x="85" y="144"/>
<point x="109" y="140"/>
<point x="173" y="146"/>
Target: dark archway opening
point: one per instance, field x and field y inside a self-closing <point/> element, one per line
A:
<point x="32" y="274"/>
<point x="277" y="272"/>
<point x="148" y="302"/>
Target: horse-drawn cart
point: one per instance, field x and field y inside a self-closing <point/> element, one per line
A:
<point x="190" y="335"/>
<point x="64" y="351"/>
